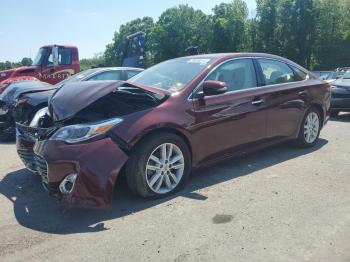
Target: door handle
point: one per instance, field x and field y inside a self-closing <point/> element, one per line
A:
<point x="257" y="102"/>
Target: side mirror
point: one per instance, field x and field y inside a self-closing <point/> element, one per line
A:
<point x="55" y="55"/>
<point x="212" y="87"/>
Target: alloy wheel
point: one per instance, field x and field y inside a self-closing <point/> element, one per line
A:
<point x="311" y="127"/>
<point x="165" y="168"/>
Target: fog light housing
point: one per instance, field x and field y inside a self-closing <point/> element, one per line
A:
<point x="67" y="185"/>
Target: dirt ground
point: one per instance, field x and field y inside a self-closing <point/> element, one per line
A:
<point x="280" y="204"/>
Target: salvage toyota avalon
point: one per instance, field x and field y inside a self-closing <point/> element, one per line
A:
<point x="171" y="118"/>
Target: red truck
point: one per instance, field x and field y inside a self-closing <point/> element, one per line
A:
<point x="52" y="64"/>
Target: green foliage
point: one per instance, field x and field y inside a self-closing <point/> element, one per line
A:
<point x="178" y="28"/>
<point x="115" y="51"/>
<point x="26" y="61"/>
<point x="313" y="33"/>
<point x="229" y="27"/>
<point x="331" y="35"/>
<point x="8" y="65"/>
<point x="97" y="61"/>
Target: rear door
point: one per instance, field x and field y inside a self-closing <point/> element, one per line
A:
<point x="231" y="120"/>
<point x="286" y="97"/>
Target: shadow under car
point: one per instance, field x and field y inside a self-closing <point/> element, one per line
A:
<point x="35" y="209"/>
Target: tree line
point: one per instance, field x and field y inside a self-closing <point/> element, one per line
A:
<point x="8" y="65"/>
<point x="313" y="33"/>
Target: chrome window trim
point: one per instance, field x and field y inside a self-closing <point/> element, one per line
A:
<point x="190" y="98"/>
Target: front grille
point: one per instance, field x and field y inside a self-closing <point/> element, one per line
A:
<point x="27" y="157"/>
<point x="41" y="168"/>
<point x="37" y="164"/>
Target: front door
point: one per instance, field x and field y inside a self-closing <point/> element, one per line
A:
<point x="231" y="120"/>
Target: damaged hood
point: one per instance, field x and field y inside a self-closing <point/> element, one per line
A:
<point x="72" y="98"/>
<point x="22" y="87"/>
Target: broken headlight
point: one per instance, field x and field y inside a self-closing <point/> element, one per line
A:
<point x="82" y="132"/>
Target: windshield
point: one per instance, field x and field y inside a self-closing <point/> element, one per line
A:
<point x="172" y="75"/>
<point x="346" y="75"/>
<point x="40" y="56"/>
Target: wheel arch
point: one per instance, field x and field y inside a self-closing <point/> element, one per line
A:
<point x="164" y="129"/>
<point x="319" y="108"/>
<point x="35" y="109"/>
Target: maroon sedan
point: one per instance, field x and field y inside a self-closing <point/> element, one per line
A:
<point x="173" y="117"/>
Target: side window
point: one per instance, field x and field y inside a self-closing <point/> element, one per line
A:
<point x="131" y="73"/>
<point x="64" y="56"/>
<point x="276" y="72"/>
<point x="300" y="75"/>
<point x="237" y="74"/>
<point x="109" y="75"/>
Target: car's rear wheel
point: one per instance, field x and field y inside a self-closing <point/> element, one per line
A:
<point x="310" y="128"/>
<point x="158" y="166"/>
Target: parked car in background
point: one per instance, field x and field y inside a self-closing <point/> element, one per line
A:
<point x="329" y="76"/>
<point x="21" y="101"/>
<point x="341" y="95"/>
<point x="175" y="116"/>
<point x="8" y="102"/>
<point x="323" y="75"/>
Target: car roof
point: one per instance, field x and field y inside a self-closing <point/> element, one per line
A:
<point x="237" y="54"/>
<point x="225" y="56"/>
<point x="96" y="69"/>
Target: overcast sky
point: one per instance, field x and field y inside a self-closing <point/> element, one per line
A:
<point x="88" y="24"/>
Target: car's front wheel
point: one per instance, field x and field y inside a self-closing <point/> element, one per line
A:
<point x="310" y="128"/>
<point x="159" y="165"/>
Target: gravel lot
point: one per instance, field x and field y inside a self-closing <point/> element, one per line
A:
<point x="280" y="204"/>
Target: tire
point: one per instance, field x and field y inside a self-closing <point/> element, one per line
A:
<point x="303" y="139"/>
<point x="334" y="113"/>
<point x="146" y="169"/>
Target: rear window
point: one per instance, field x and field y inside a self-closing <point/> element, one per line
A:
<point x="276" y="72"/>
<point x="300" y="75"/>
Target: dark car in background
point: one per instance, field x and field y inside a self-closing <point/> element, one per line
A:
<point x="21" y="101"/>
<point x="341" y="95"/>
<point x="178" y="115"/>
<point x="8" y="102"/>
<point x="329" y="76"/>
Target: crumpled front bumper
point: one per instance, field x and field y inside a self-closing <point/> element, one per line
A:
<point x="97" y="165"/>
<point x="25" y="145"/>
